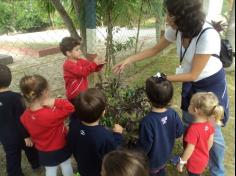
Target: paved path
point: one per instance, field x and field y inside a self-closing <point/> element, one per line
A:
<point x="50" y="67"/>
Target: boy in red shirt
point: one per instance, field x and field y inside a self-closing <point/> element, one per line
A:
<point x="198" y="140"/>
<point x="77" y="69"/>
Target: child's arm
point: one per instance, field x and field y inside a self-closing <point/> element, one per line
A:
<point x="191" y="138"/>
<point x="61" y="109"/>
<point x="186" y="155"/>
<point x="113" y="140"/>
<point x="179" y="126"/>
<point x="100" y="63"/>
<point x="118" y="130"/>
<point x="19" y="110"/>
<point x="83" y="68"/>
<point x="210" y="141"/>
<point x="28" y="142"/>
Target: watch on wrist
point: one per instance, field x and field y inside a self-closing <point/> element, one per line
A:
<point x="182" y="162"/>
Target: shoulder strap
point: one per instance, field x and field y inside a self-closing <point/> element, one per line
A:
<point x="204" y="30"/>
<point x="176" y="33"/>
<point x="215" y="55"/>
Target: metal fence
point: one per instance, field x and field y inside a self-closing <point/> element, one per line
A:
<point x="28" y="44"/>
<point x="25" y="48"/>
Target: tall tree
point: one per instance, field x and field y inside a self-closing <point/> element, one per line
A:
<point x="47" y="5"/>
<point x="66" y="18"/>
<point x="79" y="9"/>
<point x="139" y="23"/>
<point x="115" y="13"/>
<point x="90" y="23"/>
<point x="230" y="34"/>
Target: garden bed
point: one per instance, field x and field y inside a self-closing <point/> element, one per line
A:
<point x="30" y="49"/>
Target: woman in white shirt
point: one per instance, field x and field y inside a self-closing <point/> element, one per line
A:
<point x="196" y="42"/>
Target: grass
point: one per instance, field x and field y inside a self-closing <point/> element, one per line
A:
<point x="150" y="23"/>
<point x="136" y="75"/>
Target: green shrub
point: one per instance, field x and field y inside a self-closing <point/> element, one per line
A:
<point x="5" y="18"/>
<point x="126" y="106"/>
<point x="77" y="174"/>
<point x="30" y="17"/>
<point x="29" y="21"/>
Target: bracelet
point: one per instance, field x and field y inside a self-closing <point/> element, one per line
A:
<point x="182" y="162"/>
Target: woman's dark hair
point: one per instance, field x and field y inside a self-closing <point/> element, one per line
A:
<point x="90" y="105"/>
<point x="188" y="16"/>
<point x="124" y="163"/>
<point x="33" y="86"/>
<point x="68" y="43"/>
<point x="5" y="76"/>
<point x="159" y="91"/>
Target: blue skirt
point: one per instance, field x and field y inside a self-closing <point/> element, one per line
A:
<point x="54" y="158"/>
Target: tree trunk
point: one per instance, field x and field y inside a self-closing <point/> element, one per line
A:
<point x="230" y="34"/>
<point x="50" y="18"/>
<point x="159" y="24"/>
<point x="66" y="18"/>
<point x="90" y="24"/>
<point x="205" y="5"/>
<point x="139" y="23"/>
<point x="13" y="14"/>
<point x="79" y="10"/>
<point x="109" y="43"/>
<point x="214" y="9"/>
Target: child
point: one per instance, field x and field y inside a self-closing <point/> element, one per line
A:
<point x="199" y="136"/>
<point x="124" y="163"/>
<point x="161" y="126"/>
<point x="90" y="141"/>
<point x="77" y="69"/>
<point x="13" y="136"/>
<point x="44" y="120"/>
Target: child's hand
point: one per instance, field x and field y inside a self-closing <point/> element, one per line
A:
<point x="117" y="129"/>
<point x="49" y="102"/>
<point x="99" y="61"/>
<point x="28" y="142"/>
<point x="180" y="167"/>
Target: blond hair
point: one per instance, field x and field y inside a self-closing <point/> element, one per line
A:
<point x="208" y="103"/>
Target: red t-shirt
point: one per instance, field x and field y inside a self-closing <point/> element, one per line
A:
<point x="198" y="134"/>
<point x="46" y="126"/>
<point x="75" y="75"/>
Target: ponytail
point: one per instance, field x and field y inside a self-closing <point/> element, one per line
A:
<point x="30" y="97"/>
<point x="218" y="113"/>
<point x="208" y="103"/>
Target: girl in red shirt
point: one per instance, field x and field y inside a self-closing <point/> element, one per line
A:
<point x="44" y="120"/>
<point x="198" y="139"/>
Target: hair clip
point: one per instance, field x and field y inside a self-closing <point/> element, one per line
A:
<point x="157" y="75"/>
<point x="160" y="75"/>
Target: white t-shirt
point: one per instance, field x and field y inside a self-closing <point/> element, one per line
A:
<point x="209" y="43"/>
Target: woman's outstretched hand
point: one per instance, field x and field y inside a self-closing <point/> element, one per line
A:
<point x="119" y="68"/>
